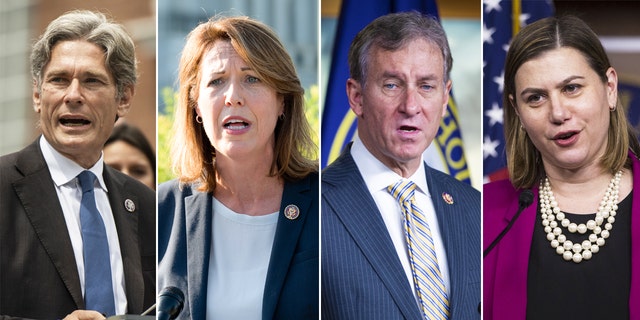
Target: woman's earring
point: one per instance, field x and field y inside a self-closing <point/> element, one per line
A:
<point x="198" y="119"/>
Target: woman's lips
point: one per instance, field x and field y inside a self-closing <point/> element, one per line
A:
<point x="566" y="138"/>
<point x="236" y="125"/>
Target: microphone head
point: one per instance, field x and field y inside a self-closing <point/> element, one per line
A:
<point x="170" y="302"/>
<point x="526" y="198"/>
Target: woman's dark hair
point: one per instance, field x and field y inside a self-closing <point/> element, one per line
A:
<point x="134" y="137"/>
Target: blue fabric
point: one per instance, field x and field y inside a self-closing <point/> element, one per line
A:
<point x="97" y="267"/>
<point x="362" y="277"/>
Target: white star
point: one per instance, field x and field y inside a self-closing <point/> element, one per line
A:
<point x="487" y="33"/>
<point x="505" y="47"/>
<point x="489" y="148"/>
<point x="484" y="64"/>
<point x="523" y="19"/>
<point x="495" y="114"/>
<point x="500" y="81"/>
<point x="490" y="5"/>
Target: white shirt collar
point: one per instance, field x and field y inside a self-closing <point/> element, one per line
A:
<point x="64" y="170"/>
<point x="377" y="176"/>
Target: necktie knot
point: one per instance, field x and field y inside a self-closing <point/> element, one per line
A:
<point x="402" y="190"/>
<point x="86" y="179"/>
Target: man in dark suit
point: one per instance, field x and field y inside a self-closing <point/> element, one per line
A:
<point x="84" y="73"/>
<point x="400" y="240"/>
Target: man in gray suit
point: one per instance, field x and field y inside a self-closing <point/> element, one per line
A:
<point x="400" y="240"/>
<point x="76" y="234"/>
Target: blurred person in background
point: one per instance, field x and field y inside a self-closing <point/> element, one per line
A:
<point x="129" y="151"/>
<point x="238" y="228"/>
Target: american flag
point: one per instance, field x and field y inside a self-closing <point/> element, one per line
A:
<point x="497" y="30"/>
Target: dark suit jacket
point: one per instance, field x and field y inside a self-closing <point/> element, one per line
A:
<point x="184" y="247"/>
<point x="38" y="273"/>
<point x="506" y="267"/>
<point x="362" y="277"/>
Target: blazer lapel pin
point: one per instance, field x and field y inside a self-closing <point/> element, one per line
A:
<point x="129" y="205"/>
<point x="292" y="212"/>
<point x="447" y="198"/>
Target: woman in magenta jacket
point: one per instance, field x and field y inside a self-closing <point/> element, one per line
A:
<point x="574" y="251"/>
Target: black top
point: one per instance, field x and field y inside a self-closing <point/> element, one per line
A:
<point x="592" y="289"/>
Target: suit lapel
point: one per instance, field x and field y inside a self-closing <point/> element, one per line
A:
<point x="198" y="208"/>
<point x="127" y="226"/>
<point x="452" y="231"/>
<point x="285" y="242"/>
<point x="364" y="223"/>
<point x="42" y="206"/>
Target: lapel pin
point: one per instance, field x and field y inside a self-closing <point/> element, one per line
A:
<point x="447" y="198"/>
<point x="292" y="212"/>
<point x="129" y="205"/>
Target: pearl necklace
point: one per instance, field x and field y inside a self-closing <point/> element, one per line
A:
<point x="551" y="214"/>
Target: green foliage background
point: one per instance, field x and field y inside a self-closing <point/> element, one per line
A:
<point x="165" y="122"/>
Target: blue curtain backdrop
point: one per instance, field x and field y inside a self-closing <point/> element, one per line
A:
<point x="339" y="123"/>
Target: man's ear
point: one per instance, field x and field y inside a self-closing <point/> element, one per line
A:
<point x="36" y="97"/>
<point x="354" y="93"/>
<point x="125" y="101"/>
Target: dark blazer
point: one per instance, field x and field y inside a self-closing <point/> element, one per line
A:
<point x="38" y="273"/>
<point x="506" y="267"/>
<point x="184" y="247"/>
<point x="362" y="277"/>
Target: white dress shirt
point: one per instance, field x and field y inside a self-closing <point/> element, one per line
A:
<point x="240" y="253"/>
<point x="378" y="177"/>
<point x="64" y="173"/>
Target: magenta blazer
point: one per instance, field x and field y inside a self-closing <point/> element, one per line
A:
<point x="505" y="268"/>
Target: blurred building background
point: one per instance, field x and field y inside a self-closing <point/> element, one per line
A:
<point x="461" y="21"/>
<point x="22" y="21"/>
<point x="295" y="22"/>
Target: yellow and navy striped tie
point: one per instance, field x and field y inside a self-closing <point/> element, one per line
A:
<point x="427" y="278"/>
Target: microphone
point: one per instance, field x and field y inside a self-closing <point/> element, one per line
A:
<point x="148" y="311"/>
<point x="524" y="200"/>
<point x="170" y="303"/>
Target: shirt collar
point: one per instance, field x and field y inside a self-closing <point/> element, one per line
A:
<point x="377" y="176"/>
<point x="64" y="170"/>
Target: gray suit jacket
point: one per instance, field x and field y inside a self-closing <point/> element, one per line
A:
<point x="38" y="273"/>
<point x="362" y="277"/>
